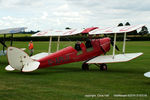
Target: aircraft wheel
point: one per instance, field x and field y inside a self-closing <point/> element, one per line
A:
<point x="103" y="67"/>
<point x="85" y="66"/>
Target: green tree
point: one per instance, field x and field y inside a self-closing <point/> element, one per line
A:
<point x="127" y="24"/>
<point x="144" y="30"/>
<point x="120" y="24"/>
<point x="67" y="28"/>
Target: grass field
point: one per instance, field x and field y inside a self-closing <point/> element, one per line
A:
<point x="69" y="82"/>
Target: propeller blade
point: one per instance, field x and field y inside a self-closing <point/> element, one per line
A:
<point x="3" y="43"/>
<point x="112" y="43"/>
<point x="116" y="47"/>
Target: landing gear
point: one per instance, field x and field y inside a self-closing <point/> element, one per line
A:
<point x="103" y="67"/>
<point x="85" y="66"/>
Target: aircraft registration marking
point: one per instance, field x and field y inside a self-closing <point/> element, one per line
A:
<point x="60" y="59"/>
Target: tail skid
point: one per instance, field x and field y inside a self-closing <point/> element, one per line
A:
<point x="19" y="60"/>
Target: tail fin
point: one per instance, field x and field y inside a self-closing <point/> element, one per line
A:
<point x="20" y="60"/>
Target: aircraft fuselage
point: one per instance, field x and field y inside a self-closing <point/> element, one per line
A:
<point x="69" y="54"/>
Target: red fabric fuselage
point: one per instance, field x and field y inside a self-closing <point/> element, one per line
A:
<point x="69" y="54"/>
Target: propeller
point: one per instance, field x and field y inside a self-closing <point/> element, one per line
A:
<point x="3" y="43"/>
<point x="116" y="47"/>
<point x="112" y="43"/>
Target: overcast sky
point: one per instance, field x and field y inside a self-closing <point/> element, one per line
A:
<point x="59" y="14"/>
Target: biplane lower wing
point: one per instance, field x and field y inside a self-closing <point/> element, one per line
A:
<point x="117" y="58"/>
<point x="39" y="55"/>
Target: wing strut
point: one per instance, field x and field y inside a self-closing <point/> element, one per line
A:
<point x="114" y="45"/>
<point x="11" y="40"/>
<point x="124" y="42"/>
<point x="58" y="41"/>
<point x="50" y="42"/>
<point x="4" y="43"/>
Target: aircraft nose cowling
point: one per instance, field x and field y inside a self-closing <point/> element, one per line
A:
<point x="105" y="44"/>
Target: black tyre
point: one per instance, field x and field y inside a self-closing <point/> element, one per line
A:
<point x="85" y="66"/>
<point x="103" y="67"/>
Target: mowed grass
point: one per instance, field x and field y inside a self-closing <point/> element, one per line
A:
<point x="69" y="82"/>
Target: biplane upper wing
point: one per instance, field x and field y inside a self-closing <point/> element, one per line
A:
<point x="121" y="29"/>
<point x="12" y="30"/>
<point x="57" y="33"/>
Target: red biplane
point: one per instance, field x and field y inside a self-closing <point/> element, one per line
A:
<point x="91" y="52"/>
